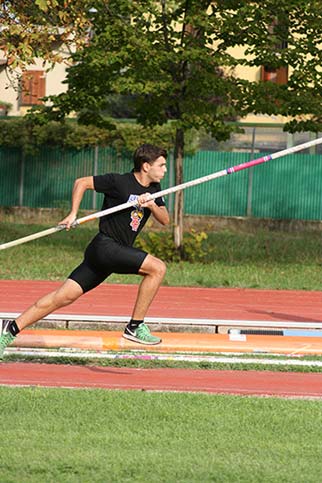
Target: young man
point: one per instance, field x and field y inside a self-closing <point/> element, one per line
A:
<point x="111" y="250"/>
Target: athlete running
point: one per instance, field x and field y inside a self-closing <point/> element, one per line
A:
<point x="111" y="250"/>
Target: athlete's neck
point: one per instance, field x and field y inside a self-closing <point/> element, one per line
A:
<point x="142" y="178"/>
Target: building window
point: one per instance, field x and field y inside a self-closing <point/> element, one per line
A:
<point x="33" y="87"/>
<point x="278" y="29"/>
<point x="278" y="76"/>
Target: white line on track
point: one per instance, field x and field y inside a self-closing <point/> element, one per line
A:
<point x="162" y="357"/>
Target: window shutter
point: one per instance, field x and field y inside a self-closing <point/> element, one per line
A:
<point x="33" y="87"/>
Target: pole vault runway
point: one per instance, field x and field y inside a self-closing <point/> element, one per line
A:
<point x="243" y="383"/>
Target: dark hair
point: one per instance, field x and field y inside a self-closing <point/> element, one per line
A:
<point x="147" y="153"/>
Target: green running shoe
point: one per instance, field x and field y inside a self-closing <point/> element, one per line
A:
<point x="6" y="337"/>
<point x="142" y="335"/>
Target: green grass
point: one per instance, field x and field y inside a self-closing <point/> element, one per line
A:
<point x="264" y="259"/>
<point x="57" y="435"/>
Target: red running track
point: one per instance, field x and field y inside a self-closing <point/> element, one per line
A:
<point x="245" y="383"/>
<point x="178" y="302"/>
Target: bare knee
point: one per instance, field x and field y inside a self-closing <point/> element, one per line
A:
<point x="53" y="301"/>
<point x="161" y="269"/>
<point x="153" y="267"/>
<point x="157" y="268"/>
<point x="61" y="297"/>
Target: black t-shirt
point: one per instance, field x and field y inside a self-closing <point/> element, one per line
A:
<point x="124" y="225"/>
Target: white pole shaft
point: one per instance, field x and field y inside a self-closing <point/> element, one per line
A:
<point x="34" y="236"/>
<point x="165" y="192"/>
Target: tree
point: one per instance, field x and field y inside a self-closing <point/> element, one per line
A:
<point x="175" y="59"/>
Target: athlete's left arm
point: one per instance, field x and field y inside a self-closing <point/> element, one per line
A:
<point x="161" y="214"/>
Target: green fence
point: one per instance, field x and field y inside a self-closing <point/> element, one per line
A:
<point x="46" y="179"/>
<point x="285" y="188"/>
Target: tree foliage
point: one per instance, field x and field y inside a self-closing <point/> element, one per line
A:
<point x="147" y="48"/>
<point x="176" y="58"/>
<point x="31" y="29"/>
<point x="33" y="134"/>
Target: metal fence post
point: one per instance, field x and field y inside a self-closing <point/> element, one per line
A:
<point x="22" y="178"/>
<point x="250" y="178"/>
<point x="289" y="140"/>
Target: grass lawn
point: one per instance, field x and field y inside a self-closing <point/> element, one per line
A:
<point x="60" y="435"/>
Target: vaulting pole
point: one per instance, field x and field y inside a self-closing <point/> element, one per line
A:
<point x="173" y="189"/>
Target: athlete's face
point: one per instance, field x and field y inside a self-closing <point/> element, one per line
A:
<point x="157" y="169"/>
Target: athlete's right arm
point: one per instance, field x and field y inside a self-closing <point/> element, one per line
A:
<point x="80" y="186"/>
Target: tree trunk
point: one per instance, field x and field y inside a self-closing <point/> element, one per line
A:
<point x="178" y="205"/>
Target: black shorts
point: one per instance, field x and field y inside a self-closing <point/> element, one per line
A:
<point x="104" y="256"/>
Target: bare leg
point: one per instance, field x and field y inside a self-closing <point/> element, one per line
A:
<point x="64" y="295"/>
<point x="153" y="271"/>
